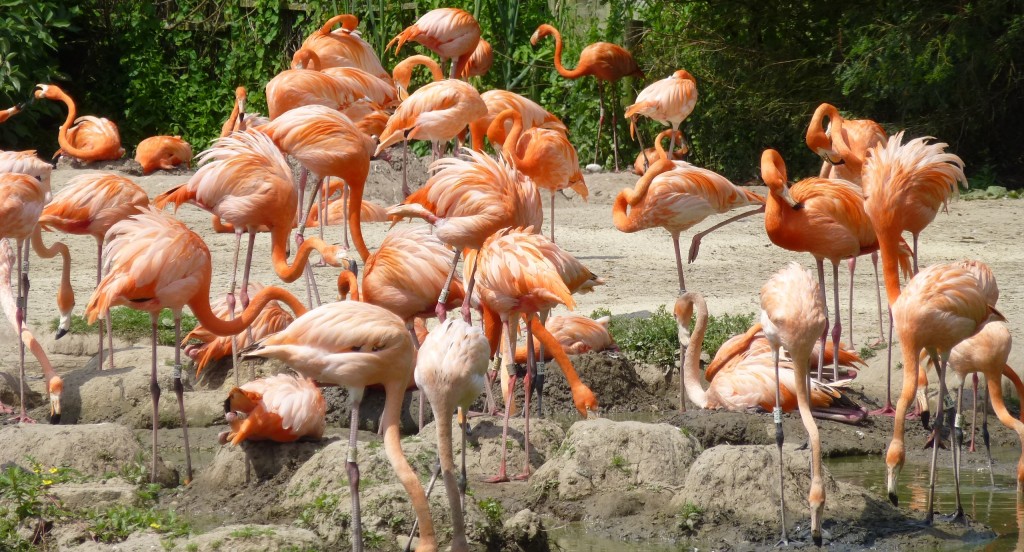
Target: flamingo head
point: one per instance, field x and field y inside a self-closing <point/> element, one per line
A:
<point x="541" y="32"/>
<point x="585" y="401"/>
<point x="410" y="210"/>
<point x="894" y="458"/>
<point x="55" y="388"/>
<point x="47" y="91"/>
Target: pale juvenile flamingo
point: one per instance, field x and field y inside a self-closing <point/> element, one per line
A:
<point x="91" y="139"/>
<point x="451" y="371"/>
<point x="155" y="262"/>
<point x="379" y="91"/>
<point x="355" y="345"/>
<point x="499" y="100"/>
<point x="753" y="343"/>
<point x="546" y="156"/>
<point x="327" y="143"/>
<point x="344" y="47"/>
<point x="823" y="217"/>
<point x="577" y="334"/>
<point x="517" y="276"/>
<point x="213" y="347"/>
<point x="746" y="381"/>
<point x="479" y="63"/>
<point x="940" y="307"/>
<point x="163" y="152"/>
<point x="90" y="204"/>
<point x="26" y="162"/>
<point x="239" y="118"/>
<point x="450" y="33"/>
<point x="676" y="200"/>
<point x="793" y="316"/>
<point x="467" y="200"/>
<point x="842" y="144"/>
<point x="606" y="62"/>
<point x="281" y="408"/>
<point x="668" y="101"/>
<point x="54" y="383"/>
<point x="436" y="112"/>
<point x="905" y="185"/>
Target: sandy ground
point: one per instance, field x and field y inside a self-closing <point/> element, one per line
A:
<point x="639" y="268"/>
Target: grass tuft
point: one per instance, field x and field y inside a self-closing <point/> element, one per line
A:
<point x="133" y="325"/>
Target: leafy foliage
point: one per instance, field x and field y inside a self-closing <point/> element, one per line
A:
<point x="133" y="325"/>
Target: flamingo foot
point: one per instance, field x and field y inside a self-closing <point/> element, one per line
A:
<point x="886" y="410"/>
<point x="931" y="441"/>
<point x="500" y="478"/>
<point x="694" y="249"/>
<point x="522" y="476"/>
<point x="957" y="517"/>
<point x="4" y="409"/>
<point x="970" y="448"/>
<point x="21" y="419"/>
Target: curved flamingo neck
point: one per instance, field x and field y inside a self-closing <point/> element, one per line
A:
<point x="348" y="22"/>
<point x="200" y="305"/>
<point x="567" y="73"/>
<point x="291" y="272"/>
<point x="229" y="125"/>
<point x="348" y="287"/>
<point x="889" y="249"/>
<point x="691" y="359"/>
<point x="402" y="73"/>
<point x="510" y="147"/>
<point x="62" y="134"/>
<point x="306" y="59"/>
<point x="661" y="165"/>
<point x="65" y="294"/>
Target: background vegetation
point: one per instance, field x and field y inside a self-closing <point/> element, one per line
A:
<point x="947" y="68"/>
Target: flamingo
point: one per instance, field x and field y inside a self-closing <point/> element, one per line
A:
<point x="753" y="343"/>
<point x="606" y="62"/>
<point x="668" y="101"/>
<point x="479" y="62"/>
<point x="402" y="73"/>
<point x="643" y="159"/>
<point x="793" y="316"/>
<point x="905" y="185"/>
<point x="163" y="152"/>
<point x="379" y="91"/>
<point x="450" y="370"/>
<point x="741" y="382"/>
<point x="212" y="347"/>
<point x="10" y="112"/>
<point x="282" y="408"/>
<point x="368" y="212"/>
<point x="54" y="383"/>
<point x="436" y="112"/>
<point x="941" y="306"/>
<point x="577" y="334"/>
<point x="90" y="204"/>
<point x="91" y="139"/>
<point x="450" y="33"/>
<point x="239" y="118"/>
<point x="844" y="144"/>
<point x="327" y="143"/>
<point x="823" y="217"/>
<point x="155" y="262"/>
<point x="26" y="162"/>
<point x="293" y="88"/>
<point x="355" y="345"/>
<point x="344" y="47"/>
<point x="676" y="199"/>
<point x="532" y="113"/>
<point x="518" y="275"/>
<point x="368" y="117"/>
<point x="544" y="155"/>
<point x="467" y="200"/>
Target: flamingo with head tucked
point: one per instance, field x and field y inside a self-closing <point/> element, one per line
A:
<point x="450" y="33"/>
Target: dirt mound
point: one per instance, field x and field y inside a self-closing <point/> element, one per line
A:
<point x="483" y="451"/>
<point x="91" y="449"/>
<point x="384" y="183"/>
<point x="254" y="538"/>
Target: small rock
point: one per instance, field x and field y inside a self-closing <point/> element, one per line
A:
<point x="76" y="496"/>
<point x="594" y="168"/>
<point x="996" y="191"/>
<point x="526" y="530"/>
<point x="255" y="538"/>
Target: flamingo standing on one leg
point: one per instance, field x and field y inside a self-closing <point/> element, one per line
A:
<point x="450" y="33"/>
<point x="544" y="155"/>
<point x="668" y="101"/>
<point x="91" y="204"/>
<point x="450" y="370"/>
<point x="163" y="152"/>
<point x="355" y="345"/>
<point x="793" y="316"/>
<point x="905" y="185"/>
<point x="91" y="139"/>
<point x="155" y="262"/>
<point x="606" y="62"/>
<point x="939" y="308"/>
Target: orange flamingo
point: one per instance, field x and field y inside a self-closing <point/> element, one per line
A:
<point x="246" y="182"/>
<point x="293" y="88"/>
<point x="356" y="345"/>
<point x="163" y="152"/>
<point x="532" y="113"/>
<point x="544" y="155"/>
<point x="668" y="101"/>
<point x="793" y="316"/>
<point x="517" y="275"/>
<point x="402" y="73"/>
<point x="479" y="62"/>
<point x="90" y="204"/>
<point x="155" y="262"/>
<point x="26" y="162"/>
<point x="823" y="217"/>
<point x="843" y="145"/>
<point x="606" y="62"/>
<point x="368" y="117"/>
<point x="336" y="208"/>
<point x="436" y="112"/>
<point x="450" y="370"/>
<point x="643" y="159"/>
<point x="328" y="144"/>
<point x="905" y="185"/>
<point x="344" y="47"/>
<point x="282" y="408"/>
<point x="213" y="347"/>
<point x="91" y="139"/>
<point x="676" y="200"/>
<point x="577" y="334"/>
<point x="753" y="343"/>
<point x="379" y="91"/>
<point x="54" y="383"/>
<point x="940" y="307"/>
<point x="467" y="200"/>
<point x="450" y="33"/>
<point x="239" y="118"/>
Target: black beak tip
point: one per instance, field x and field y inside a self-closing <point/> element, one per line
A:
<point x="817" y="540"/>
<point x="895" y="500"/>
<point x="54" y="419"/>
<point x="60" y="333"/>
<point x="925" y="418"/>
<point x="353" y="265"/>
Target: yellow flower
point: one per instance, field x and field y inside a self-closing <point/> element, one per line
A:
<point x="154" y="525"/>
<point x="47" y="482"/>
<point x="53" y="470"/>
<point x="35" y="470"/>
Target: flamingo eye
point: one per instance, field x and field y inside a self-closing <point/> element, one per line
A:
<point x="378" y="348"/>
<point x="357" y="348"/>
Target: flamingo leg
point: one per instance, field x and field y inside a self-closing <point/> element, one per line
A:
<point x="527" y="381"/>
<point x="344" y="214"/>
<point x="957" y="436"/>
<point x="540" y="366"/>
<point x="915" y="254"/>
<point x="940" y="412"/>
<point x="851" y="263"/>
<point x="600" y="120"/>
<point x="441" y="310"/>
<point x="974" y="414"/>
<point x="887" y="410"/>
<point x="878" y="296"/>
<point x="779" y="439"/>
<point x="552" y="216"/>
<point x="179" y="391"/>
<point x="20" y="315"/>
<point x="679" y="264"/>
<point x="352" y="467"/>
<point x="154" y="390"/>
<point x="985" y="436"/>
<point x="322" y="207"/>
<point x="672" y="142"/>
<point x="229" y="300"/>
<point x="467" y="312"/>
<point x="695" y="242"/>
<point x="821" y="284"/>
<point x="405" y="171"/>
<point x="99" y="277"/>
<point x="643" y="152"/>
<point x="837" y="329"/>
<point x="464" y="480"/>
<point x="816" y="496"/>
<point x="502" y="476"/>
<point x="615" y="124"/>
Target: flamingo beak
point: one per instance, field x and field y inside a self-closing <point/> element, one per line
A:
<point x="54" y="408"/>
